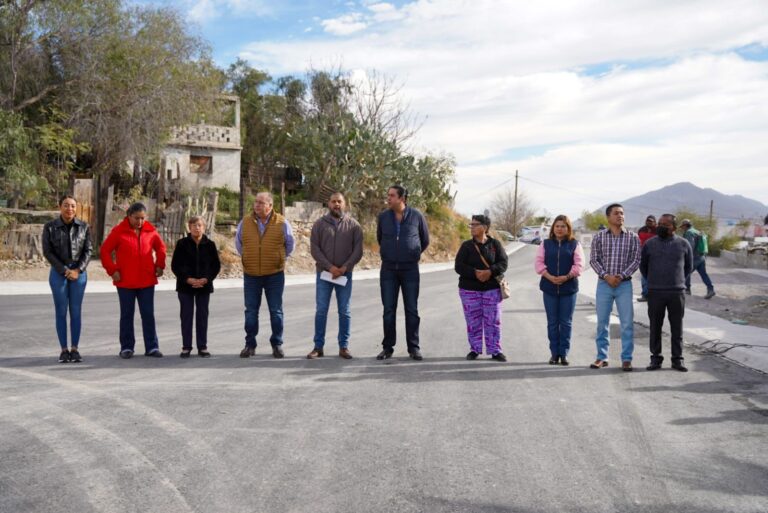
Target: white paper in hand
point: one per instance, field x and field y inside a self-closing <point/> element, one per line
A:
<point x="341" y="280"/>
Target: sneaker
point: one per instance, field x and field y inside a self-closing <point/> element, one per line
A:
<point x="155" y="353"/>
<point x="554" y="360"/>
<point x="74" y="356"/>
<point x="277" y="352"/>
<point x="472" y="355"/>
<point x="499" y="357"/>
<point x="653" y="366"/>
<point x="642" y="299"/>
<point x="679" y="367"/>
<point x="386" y="354"/>
<point x="126" y="354"/>
<point x="64" y="357"/>
<point x="710" y="294"/>
<point x="564" y="361"/>
<point x="247" y="352"/>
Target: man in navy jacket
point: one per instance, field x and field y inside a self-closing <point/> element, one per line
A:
<point x="402" y="235"/>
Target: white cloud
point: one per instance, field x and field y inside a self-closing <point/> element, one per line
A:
<point x="202" y="11"/>
<point x="344" y="25"/>
<point x="384" y="11"/>
<point x="674" y="103"/>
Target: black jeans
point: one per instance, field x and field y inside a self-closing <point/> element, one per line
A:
<point x="392" y="281"/>
<point x="672" y="304"/>
<point x="194" y="305"/>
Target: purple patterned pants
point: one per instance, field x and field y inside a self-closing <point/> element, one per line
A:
<point x="482" y="311"/>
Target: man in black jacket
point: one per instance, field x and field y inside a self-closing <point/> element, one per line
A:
<point x="665" y="262"/>
<point x="403" y="235"/>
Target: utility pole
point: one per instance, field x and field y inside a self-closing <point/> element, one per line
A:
<point x="514" y="209"/>
<point x="711" y="209"/>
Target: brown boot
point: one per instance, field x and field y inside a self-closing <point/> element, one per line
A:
<point x="316" y="353"/>
<point x="344" y="353"/>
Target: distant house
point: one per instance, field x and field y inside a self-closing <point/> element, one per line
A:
<point x="198" y="156"/>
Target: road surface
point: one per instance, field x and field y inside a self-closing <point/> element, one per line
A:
<point x="330" y="435"/>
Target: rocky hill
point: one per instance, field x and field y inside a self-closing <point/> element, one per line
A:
<point x="687" y="195"/>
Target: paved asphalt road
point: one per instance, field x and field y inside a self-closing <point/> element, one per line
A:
<point x="293" y="435"/>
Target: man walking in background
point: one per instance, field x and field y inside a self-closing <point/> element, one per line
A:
<point x="402" y="235"/>
<point x="336" y="244"/>
<point x="666" y="262"/>
<point x="615" y="256"/>
<point x="645" y="233"/>
<point x="697" y="241"/>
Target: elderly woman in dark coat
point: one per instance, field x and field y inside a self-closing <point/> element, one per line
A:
<point x="480" y="262"/>
<point x="196" y="264"/>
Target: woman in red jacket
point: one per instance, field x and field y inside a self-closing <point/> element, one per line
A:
<point x="139" y="258"/>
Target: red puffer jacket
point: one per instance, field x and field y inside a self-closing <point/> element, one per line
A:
<point x="134" y="258"/>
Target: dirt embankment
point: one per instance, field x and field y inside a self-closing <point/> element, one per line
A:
<point x="300" y="262"/>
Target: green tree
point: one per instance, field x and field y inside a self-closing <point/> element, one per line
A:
<point x="120" y="76"/>
<point x="593" y="220"/>
<point x="19" y="180"/>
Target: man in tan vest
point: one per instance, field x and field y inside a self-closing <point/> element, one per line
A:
<point x="264" y="240"/>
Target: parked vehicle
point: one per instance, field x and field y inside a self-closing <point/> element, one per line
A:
<point x="533" y="234"/>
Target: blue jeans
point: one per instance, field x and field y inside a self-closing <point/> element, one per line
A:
<point x="323" y="291"/>
<point x="67" y="295"/>
<point x="701" y="267"/>
<point x="559" y="322"/>
<point x="146" y="299"/>
<point x="605" y="297"/>
<point x="392" y="281"/>
<point x="272" y="285"/>
<point x="644" y="285"/>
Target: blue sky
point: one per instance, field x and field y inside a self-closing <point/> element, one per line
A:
<point x="595" y="100"/>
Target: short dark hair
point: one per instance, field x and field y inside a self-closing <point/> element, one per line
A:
<point x="482" y="219"/>
<point x="402" y="192"/>
<point x="672" y="217"/>
<point x="66" y="196"/>
<point x="610" y="208"/>
<point x="136" y="207"/>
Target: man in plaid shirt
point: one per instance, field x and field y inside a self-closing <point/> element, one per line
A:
<point x="614" y="256"/>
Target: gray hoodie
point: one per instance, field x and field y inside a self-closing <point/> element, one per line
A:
<point x="336" y="242"/>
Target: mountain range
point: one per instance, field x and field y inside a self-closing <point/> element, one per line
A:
<point x="687" y="195"/>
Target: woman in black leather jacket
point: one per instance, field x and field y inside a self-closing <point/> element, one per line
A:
<point x="67" y="246"/>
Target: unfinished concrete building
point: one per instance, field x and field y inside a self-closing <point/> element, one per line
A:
<point x="203" y="155"/>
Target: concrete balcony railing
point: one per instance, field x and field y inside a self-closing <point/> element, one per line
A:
<point x="211" y="136"/>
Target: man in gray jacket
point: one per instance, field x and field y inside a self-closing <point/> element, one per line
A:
<point x="336" y="244"/>
<point x="666" y="260"/>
